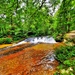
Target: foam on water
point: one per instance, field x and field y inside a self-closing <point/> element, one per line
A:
<point x="47" y="61"/>
<point x="35" y="40"/>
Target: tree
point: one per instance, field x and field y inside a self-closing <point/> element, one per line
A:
<point x="65" y="17"/>
<point x="25" y="17"/>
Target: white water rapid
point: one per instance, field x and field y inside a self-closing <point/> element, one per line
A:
<point x="35" y="40"/>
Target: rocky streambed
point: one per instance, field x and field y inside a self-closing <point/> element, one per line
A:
<point x="28" y="59"/>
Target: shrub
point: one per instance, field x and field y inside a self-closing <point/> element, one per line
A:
<point x="8" y="40"/>
<point x="66" y="57"/>
<point x="1" y="40"/>
<point x="5" y="40"/>
<point x="65" y="52"/>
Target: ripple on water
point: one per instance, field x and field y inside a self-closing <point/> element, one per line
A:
<point x="31" y="60"/>
<point x="47" y="63"/>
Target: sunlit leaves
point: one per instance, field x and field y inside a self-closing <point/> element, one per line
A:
<point x="28" y="15"/>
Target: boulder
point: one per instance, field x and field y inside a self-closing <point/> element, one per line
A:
<point x="70" y="37"/>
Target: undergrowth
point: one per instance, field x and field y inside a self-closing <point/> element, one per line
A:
<point x="66" y="57"/>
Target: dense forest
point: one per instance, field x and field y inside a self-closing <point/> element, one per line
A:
<point x="25" y="18"/>
<point x="20" y="19"/>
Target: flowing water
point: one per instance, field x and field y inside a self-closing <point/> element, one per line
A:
<point x="35" y="40"/>
<point x="33" y="56"/>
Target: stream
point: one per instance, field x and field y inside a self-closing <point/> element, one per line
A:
<point x="32" y="56"/>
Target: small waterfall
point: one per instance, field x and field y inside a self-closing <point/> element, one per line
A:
<point x="35" y="56"/>
<point x="35" y="40"/>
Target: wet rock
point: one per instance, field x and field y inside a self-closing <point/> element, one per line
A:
<point x="28" y="59"/>
<point x="70" y="35"/>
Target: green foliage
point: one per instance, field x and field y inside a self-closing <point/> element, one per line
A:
<point x="64" y="18"/>
<point x="5" y="40"/>
<point x="66" y="56"/>
<point x="20" y="19"/>
<point x="8" y="40"/>
<point x="65" y="52"/>
<point x="1" y="40"/>
<point x="25" y="18"/>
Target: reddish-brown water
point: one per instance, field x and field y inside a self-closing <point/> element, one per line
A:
<point x="28" y="59"/>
